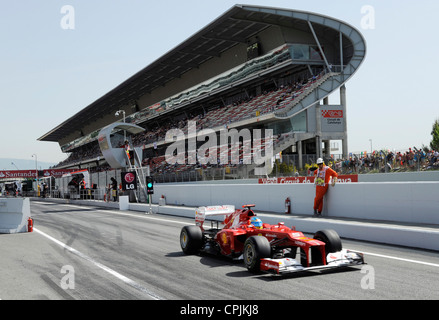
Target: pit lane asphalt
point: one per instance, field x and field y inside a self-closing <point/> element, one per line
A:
<point x="112" y="254"/>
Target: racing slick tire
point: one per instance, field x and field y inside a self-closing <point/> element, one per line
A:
<point x="191" y="239"/>
<point x="255" y="249"/>
<point x="331" y="238"/>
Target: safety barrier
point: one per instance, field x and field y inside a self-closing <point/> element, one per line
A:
<point x="14" y="215"/>
<point x="402" y="202"/>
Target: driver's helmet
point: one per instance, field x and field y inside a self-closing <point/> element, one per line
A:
<point x="256" y="222"/>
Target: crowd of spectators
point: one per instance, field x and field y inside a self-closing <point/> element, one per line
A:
<point x="236" y="109"/>
<point x="82" y="154"/>
<point x="413" y="159"/>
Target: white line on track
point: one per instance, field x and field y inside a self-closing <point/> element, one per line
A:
<point x="146" y="216"/>
<point x="401" y="259"/>
<point x="114" y="273"/>
<point x="139" y="215"/>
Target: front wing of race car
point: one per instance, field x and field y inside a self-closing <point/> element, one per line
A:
<point x="341" y="259"/>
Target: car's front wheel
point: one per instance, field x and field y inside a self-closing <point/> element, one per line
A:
<point x="255" y="249"/>
<point x="331" y="239"/>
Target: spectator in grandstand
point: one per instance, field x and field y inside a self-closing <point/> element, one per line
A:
<point x="389" y="161"/>
<point x="410" y="158"/>
<point x="419" y="156"/>
<point x="323" y="175"/>
<point x="432" y="157"/>
<point x="399" y="159"/>
<point x="435" y="158"/>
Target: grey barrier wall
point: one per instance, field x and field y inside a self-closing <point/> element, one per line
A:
<point x="402" y="197"/>
<point x="14" y="215"/>
<point x="400" y="176"/>
<point x="410" y="202"/>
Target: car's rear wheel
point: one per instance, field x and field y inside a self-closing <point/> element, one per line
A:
<point x="255" y="249"/>
<point x="191" y="239"/>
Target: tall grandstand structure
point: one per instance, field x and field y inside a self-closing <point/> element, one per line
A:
<point x="252" y="68"/>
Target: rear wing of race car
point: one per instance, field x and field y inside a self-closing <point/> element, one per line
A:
<point x="202" y="213"/>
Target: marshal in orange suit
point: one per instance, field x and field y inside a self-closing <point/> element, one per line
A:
<point x="323" y="176"/>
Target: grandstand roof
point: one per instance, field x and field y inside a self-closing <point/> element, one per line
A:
<point x="235" y="26"/>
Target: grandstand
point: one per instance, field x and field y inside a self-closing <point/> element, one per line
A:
<point x="252" y="68"/>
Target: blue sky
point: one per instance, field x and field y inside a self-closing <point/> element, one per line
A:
<point x="47" y="73"/>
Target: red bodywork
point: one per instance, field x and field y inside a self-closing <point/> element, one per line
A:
<point x="238" y="227"/>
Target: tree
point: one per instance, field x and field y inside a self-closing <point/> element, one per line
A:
<point x="434" y="144"/>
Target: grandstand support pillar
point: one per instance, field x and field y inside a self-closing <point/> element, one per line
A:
<point x="345" y="132"/>
<point x="300" y="152"/>
<point x="318" y="131"/>
<point x="327" y="144"/>
<point x="319" y="151"/>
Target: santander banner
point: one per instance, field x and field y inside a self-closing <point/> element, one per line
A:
<point x="30" y="174"/>
<point x="288" y="180"/>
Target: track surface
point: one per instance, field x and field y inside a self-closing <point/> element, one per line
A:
<point x="78" y="252"/>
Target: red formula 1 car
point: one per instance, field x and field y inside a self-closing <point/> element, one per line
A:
<point x="264" y="247"/>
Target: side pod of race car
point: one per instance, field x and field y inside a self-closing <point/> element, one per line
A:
<point x="275" y="249"/>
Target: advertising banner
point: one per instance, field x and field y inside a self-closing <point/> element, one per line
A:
<point x="129" y="181"/>
<point x="333" y="119"/>
<point x="30" y="174"/>
<point x="287" y="180"/>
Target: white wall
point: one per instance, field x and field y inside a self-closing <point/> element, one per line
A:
<point x="412" y="202"/>
<point x="14" y="213"/>
<point x="400" y="176"/>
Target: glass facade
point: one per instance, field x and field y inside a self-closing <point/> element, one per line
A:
<point x="305" y="52"/>
<point x="295" y="124"/>
<point x="298" y="123"/>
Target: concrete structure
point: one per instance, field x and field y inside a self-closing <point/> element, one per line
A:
<point x="14" y="215"/>
<point x="402" y="202"/>
<point x="113" y="153"/>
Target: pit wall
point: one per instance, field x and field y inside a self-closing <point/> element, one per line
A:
<point x="408" y="202"/>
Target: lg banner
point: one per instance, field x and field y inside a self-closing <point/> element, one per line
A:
<point x="129" y="181"/>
